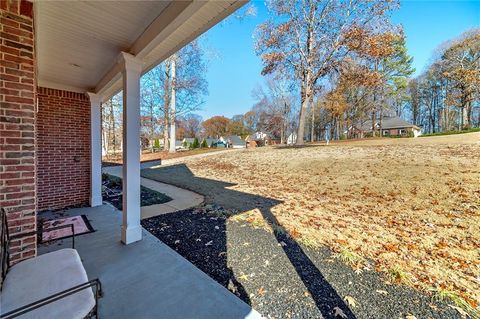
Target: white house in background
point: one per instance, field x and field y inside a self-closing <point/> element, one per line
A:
<point x="257" y="136"/>
<point x="292" y="139"/>
<point x="232" y="141"/>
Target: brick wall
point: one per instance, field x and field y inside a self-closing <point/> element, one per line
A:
<point x="63" y="149"/>
<point x="17" y="124"/>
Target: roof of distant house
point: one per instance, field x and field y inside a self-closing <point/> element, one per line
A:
<point x="388" y="122"/>
<point x="235" y="140"/>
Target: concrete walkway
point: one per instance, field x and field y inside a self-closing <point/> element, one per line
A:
<point x="181" y="198"/>
<point x="147" y="279"/>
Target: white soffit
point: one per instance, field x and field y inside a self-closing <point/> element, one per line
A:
<point x="78" y="42"/>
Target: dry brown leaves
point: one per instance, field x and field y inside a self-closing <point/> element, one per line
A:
<point x="410" y="205"/>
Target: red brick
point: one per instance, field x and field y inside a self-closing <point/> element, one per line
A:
<point x="17" y="118"/>
<point x="18" y="86"/>
<point x="63" y="135"/>
<point x="9" y="22"/>
<point x="26" y="8"/>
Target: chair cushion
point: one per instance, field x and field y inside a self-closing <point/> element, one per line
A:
<point x="43" y="276"/>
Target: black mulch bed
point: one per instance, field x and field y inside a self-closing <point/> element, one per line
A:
<point x="112" y="193"/>
<point x="280" y="278"/>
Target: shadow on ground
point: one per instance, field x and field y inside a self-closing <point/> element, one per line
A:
<point x="206" y="228"/>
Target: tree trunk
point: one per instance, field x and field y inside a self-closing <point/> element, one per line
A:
<point x="105" y="142"/>
<point x="173" y="104"/>
<point x="464" y="117"/>
<point x="431" y="116"/>
<point x="337" y="120"/>
<point x="312" y="139"/>
<point x="152" y="129"/>
<point x="283" y="132"/>
<point x="112" y="117"/>
<point x="166" y="113"/>
<point x="303" y="109"/>
<point x="380" y="127"/>
<point x="373" y="123"/>
<point x="307" y="86"/>
<point x="469" y="113"/>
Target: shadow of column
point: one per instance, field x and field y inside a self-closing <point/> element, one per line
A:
<point x="219" y="192"/>
<point x="325" y="297"/>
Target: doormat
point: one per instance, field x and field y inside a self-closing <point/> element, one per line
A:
<point x="81" y="226"/>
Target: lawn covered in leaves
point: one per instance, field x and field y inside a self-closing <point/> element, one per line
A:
<point x="409" y="208"/>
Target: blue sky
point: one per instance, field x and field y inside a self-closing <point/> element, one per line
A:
<point x="234" y="68"/>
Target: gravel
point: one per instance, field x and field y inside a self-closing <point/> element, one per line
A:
<point x="281" y="278"/>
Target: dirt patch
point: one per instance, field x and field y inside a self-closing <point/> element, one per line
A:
<point x="412" y="206"/>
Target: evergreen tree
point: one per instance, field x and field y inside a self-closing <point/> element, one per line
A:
<point x="156" y="143"/>
<point x="397" y="69"/>
<point x="196" y="143"/>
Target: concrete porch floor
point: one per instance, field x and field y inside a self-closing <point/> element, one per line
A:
<point x="146" y="279"/>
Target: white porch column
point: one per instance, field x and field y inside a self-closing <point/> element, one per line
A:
<point x="95" y="150"/>
<point x="131" y="70"/>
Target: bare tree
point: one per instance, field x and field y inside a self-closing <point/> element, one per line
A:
<point x="445" y="95"/>
<point x="274" y="106"/>
<point x="310" y="38"/>
<point x="190" y="87"/>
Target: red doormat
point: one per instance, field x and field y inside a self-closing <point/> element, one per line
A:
<point x="81" y="226"/>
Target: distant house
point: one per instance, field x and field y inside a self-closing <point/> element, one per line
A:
<point x="260" y="139"/>
<point x="220" y="143"/>
<point x="234" y="141"/>
<point x="391" y="126"/>
<point x="292" y="139"/>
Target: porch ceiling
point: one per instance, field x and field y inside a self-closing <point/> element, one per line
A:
<point x="78" y="42"/>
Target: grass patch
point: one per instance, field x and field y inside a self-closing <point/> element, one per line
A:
<point x="398" y="275"/>
<point x="308" y="242"/>
<point x="471" y="130"/>
<point x="220" y="212"/>
<point x="350" y="258"/>
<point x="469" y="306"/>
